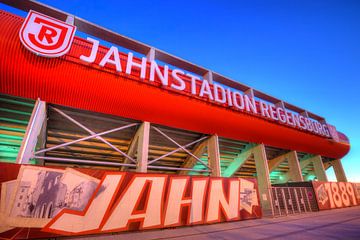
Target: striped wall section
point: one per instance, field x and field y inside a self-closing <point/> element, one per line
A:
<point x="15" y="114"/>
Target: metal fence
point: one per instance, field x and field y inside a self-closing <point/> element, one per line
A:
<point x="293" y="200"/>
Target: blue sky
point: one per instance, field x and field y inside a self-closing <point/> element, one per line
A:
<point x="305" y="52"/>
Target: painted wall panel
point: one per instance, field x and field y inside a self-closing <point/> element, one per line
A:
<point x="47" y="202"/>
<point x="331" y="195"/>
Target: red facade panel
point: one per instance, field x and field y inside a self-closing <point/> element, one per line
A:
<point x="68" y="81"/>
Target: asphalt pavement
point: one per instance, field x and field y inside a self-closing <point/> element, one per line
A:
<point x="331" y="224"/>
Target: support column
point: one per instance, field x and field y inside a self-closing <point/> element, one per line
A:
<point x="139" y="145"/>
<point x="214" y="156"/>
<point x="41" y="143"/>
<point x="143" y="147"/>
<point x="33" y="130"/>
<point x="263" y="177"/>
<point x="319" y="168"/>
<point x="295" y="173"/>
<point x="339" y="170"/>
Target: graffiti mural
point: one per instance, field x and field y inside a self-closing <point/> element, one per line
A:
<point x="332" y="195"/>
<point x="47" y="202"/>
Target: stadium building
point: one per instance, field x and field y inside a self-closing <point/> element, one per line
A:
<point x="106" y="101"/>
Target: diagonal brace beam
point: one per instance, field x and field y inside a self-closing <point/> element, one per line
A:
<point x="198" y="151"/>
<point x="93" y="133"/>
<point x="275" y="162"/>
<point x="294" y="173"/>
<point x="178" y="149"/>
<point x="305" y="163"/>
<point x="339" y="170"/>
<point x="85" y="138"/>
<point x="182" y="147"/>
<point x="239" y="160"/>
<point x="319" y="168"/>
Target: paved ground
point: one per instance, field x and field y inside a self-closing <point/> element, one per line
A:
<point x="332" y="224"/>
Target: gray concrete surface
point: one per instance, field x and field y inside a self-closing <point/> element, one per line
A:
<point x="331" y="224"/>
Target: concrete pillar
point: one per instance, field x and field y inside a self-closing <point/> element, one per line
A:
<point x="143" y="147"/>
<point x="263" y="178"/>
<point x="319" y="168"/>
<point x="214" y="156"/>
<point x="295" y="173"/>
<point x="33" y="131"/>
<point x="139" y="145"/>
<point x="41" y="142"/>
<point x="339" y="170"/>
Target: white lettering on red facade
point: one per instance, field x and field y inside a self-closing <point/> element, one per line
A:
<point x="50" y="37"/>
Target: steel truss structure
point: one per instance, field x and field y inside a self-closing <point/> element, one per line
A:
<point x="57" y="135"/>
<point x="81" y="138"/>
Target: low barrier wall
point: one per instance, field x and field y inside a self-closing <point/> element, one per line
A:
<point x="41" y="202"/>
<point x="332" y="195"/>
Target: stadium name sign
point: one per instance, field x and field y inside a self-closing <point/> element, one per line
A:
<point x="50" y="37"/>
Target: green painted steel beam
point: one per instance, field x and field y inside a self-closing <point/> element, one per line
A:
<point x="15" y="111"/>
<point x="305" y="157"/>
<point x="8" y="154"/>
<point x="5" y="136"/>
<point x="32" y="161"/>
<point x="14" y="120"/>
<point x="241" y="158"/>
<point x="198" y="173"/>
<point x="7" y="100"/>
<point x="199" y="167"/>
<point x="5" y="142"/>
<point x="10" y="143"/>
<point x="12" y="129"/>
<point x="10" y="149"/>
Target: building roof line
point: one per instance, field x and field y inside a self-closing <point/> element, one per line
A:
<point x="137" y="46"/>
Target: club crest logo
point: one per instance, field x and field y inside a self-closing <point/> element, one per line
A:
<point x="46" y="36"/>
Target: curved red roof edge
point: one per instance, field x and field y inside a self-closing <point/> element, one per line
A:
<point x="68" y="81"/>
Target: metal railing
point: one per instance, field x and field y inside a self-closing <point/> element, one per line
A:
<point x="293" y="200"/>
